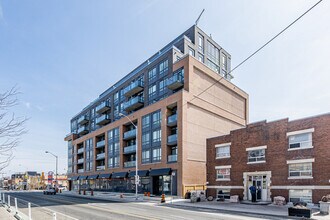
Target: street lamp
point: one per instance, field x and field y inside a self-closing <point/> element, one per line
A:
<point x="47" y="152"/>
<point x="136" y="156"/>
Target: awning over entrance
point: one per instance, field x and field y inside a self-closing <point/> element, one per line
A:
<point x="141" y="173"/>
<point x="160" y="172"/>
<point x="119" y="175"/>
<point x="82" y="178"/>
<point x="92" y="177"/>
<point x="73" y="178"/>
<point x="104" y="176"/>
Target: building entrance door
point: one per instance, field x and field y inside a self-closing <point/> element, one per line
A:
<point x="259" y="181"/>
<point x="157" y="185"/>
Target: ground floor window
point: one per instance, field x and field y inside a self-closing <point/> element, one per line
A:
<point x="223" y="194"/>
<point x="300" y="195"/>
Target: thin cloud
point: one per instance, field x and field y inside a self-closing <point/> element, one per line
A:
<point x="1" y="13"/>
<point x="28" y="105"/>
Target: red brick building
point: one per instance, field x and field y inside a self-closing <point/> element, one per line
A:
<point x="281" y="158"/>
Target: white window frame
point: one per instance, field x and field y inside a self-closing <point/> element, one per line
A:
<point x="305" y="131"/>
<point x="301" y="198"/>
<point x="222" y="168"/>
<point x="302" y="161"/>
<point x="222" y="146"/>
<point x="254" y="149"/>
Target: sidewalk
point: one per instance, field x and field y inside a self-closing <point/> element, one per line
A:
<point x="245" y="209"/>
<point x="4" y="215"/>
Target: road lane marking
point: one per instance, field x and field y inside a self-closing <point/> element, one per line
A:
<point x="49" y="209"/>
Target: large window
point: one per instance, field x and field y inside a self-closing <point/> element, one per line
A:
<point x="191" y="52"/>
<point x="256" y="155"/>
<point x="300" y="195"/>
<point x="222" y="173"/>
<point x="200" y="42"/>
<point x="222" y="151"/>
<point x="89" y="154"/>
<point x="224" y="62"/>
<point x="213" y="66"/>
<point x="300" y="141"/>
<point x="156" y="119"/>
<point x="145" y="139"/>
<point x="163" y="68"/>
<point x="113" y="148"/>
<point x="146" y="122"/>
<point x="152" y="92"/>
<point x="213" y="53"/>
<point x="156" y="154"/>
<point x="152" y="75"/>
<point x="146" y="156"/>
<point x="300" y="170"/>
<point x="156" y="136"/>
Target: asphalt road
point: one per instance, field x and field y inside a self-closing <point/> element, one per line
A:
<point x="73" y="208"/>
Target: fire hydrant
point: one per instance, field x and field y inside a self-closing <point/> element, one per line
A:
<point x="163" y="198"/>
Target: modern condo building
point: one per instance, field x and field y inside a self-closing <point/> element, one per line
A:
<point x="173" y="114"/>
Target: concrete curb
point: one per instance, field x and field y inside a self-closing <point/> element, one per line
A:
<point x="226" y="211"/>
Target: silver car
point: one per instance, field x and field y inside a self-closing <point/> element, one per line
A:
<point x="50" y="190"/>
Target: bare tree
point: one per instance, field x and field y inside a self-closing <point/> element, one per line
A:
<point x="11" y="127"/>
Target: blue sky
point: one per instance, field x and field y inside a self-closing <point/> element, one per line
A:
<point x="63" y="54"/>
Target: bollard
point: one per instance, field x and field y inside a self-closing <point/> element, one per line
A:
<point x="92" y="192"/>
<point x="30" y="214"/>
<point x="54" y="216"/>
<point x="163" y="198"/>
<point x="16" y="209"/>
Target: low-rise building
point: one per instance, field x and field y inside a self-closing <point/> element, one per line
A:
<point x="281" y="158"/>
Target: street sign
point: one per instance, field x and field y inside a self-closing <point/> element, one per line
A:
<point x="137" y="179"/>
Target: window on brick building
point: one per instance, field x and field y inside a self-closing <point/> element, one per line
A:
<point x="300" y="195"/>
<point x="222" y="151"/>
<point x="300" y="139"/>
<point x="300" y="170"/>
<point x="257" y="156"/>
<point x="222" y="173"/>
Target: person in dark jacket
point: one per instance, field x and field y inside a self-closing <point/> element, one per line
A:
<point x="253" y="191"/>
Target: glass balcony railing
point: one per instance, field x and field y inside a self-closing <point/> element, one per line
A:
<point x="130" y="149"/>
<point x="80" y="170"/>
<point x="129" y="164"/>
<point x="82" y="119"/>
<point x="100" y="168"/>
<point x="82" y="130"/>
<point x="172" y="120"/>
<point x="172" y="158"/>
<point x="100" y="144"/>
<point x="80" y="161"/>
<point x="102" y="120"/>
<point x="134" y="88"/>
<point x="172" y="139"/>
<point x="130" y="134"/>
<point x="100" y="156"/>
<point x="80" y="150"/>
<point x="103" y="107"/>
<point x="176" y="81"/>
<point x="134" y="103"/>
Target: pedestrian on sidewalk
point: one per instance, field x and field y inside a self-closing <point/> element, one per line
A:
<point x="253" y="191"/>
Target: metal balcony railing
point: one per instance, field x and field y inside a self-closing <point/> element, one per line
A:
<point x="103" y="107"/>
<point x="176" y="81"/>
<point x="80" y="150"/>
<point x="129" y="164"/>
<point x="134" y="103"/>
<point x="82" y="130"/>
<point x="130" y="134"/>
<point x="80" y="161"/>
<point x="130" y="149"/>
<point x="172" y="158"/>
<point x="100" y="144"/>
<point x="82" y="119"/>
<point x="134" y="88"/>
<point x="100" y="168"/>
<point x="100" y="156"/>
<point x="172" y="120"/>
<point x="172" y="139"/>
<point x="80" y="170"/>
<point x="103" y="119"/>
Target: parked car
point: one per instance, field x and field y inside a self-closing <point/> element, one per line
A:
<point x="50" y="190"/>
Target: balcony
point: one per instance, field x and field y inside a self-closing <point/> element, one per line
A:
<point x="134" y="103"/>
<point x="80" y="150"/>
<point x="172" y="158"/>
<point x="100" y="168"/>
<point x="82" y="130"/>
<point x="100" y="156"/>
<point x="80" y="170"/>
<point x="134" y="88"/>
<point x="129" y="164"/>
<point x="130" y="149"/>
<point x="172" y="139"/>
<point x="100" y="144"/>
<point x="102" y="120"/>
<point x="175" y="82"/>
<point x="82" y="119"/>
<point x="172" y="120"/>
<point x="103" y="107"/>
<point x="80" y="161"/>
<point x="130" y="134"/>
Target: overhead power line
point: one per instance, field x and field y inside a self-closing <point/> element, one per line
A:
<point x="260" y="48"/>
